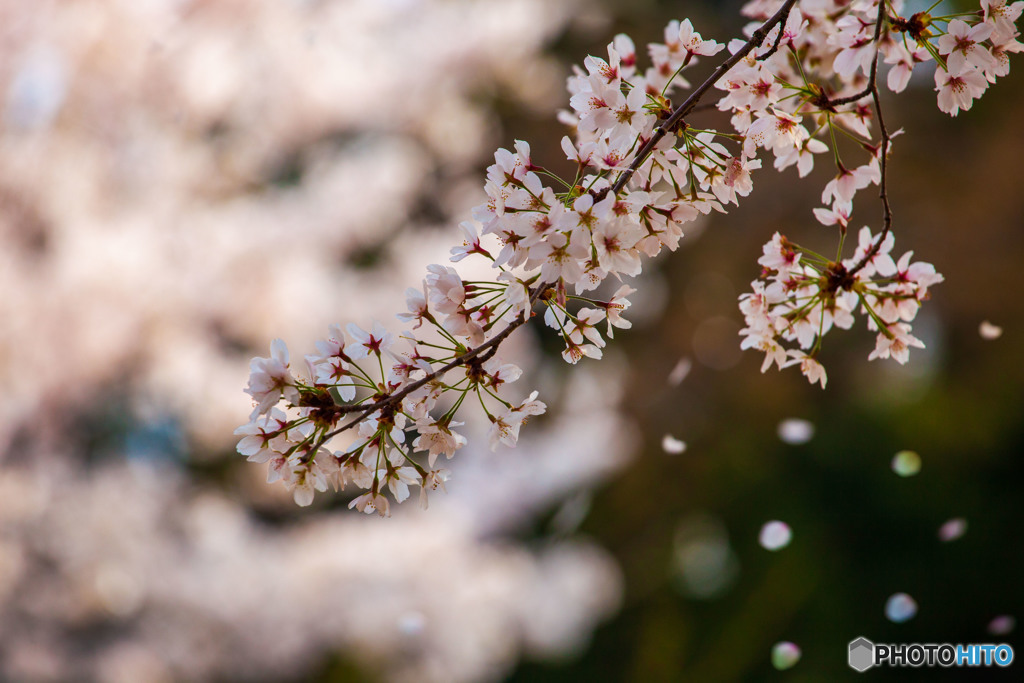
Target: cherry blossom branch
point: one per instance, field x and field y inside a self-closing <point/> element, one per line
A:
<point x="686" y="107"/>
<point x="491" y="346"/>
<point x="588" y="229"/>
<point x="391" y="400"/>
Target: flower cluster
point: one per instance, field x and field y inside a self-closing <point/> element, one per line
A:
<point x="970" y="49"/>
<point x="801" y="296"/>
<point x="828" y="76"/>
<point x="803" y="83"/>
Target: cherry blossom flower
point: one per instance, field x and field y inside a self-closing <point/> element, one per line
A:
<point x="881" y="262"/>
<point x="857" y="48"/>
<point x="582" y="155"/>
<point x="398" y="480"/>
<point x="270" y="380"/>
<point x="839" y="214"/>
<point x="559" y="258"/>
<point x="921" y="274"/>
<point x="615" y="307"/>
<point x="516" y="297"/>
<point x="416" y="300"/>
<point x="374" y="432"/>
<point x="500" y="372"/>
<point x="779" y="254"/>
<point x="259" y="435"/>
<point x="1002" y="15"/>
<point x="895" y="342"/>
<point x="737" y="178"/>
<point x="903" y="62"/>
<point x="1001" y="50"/>
<point x="575" y="351"/>
<point x="376" y="341"/>
<point x="313" y="476"/>
<point x="844" y="186"/>
<point x="470" y="245"/>
<point x="444" y="288"/>
<point x="614" y="242"/>
<point x="811" y="368"/>
<point x="682" y="43"/>
<point x="370" y="503"/>
<point x="355" y="471"/>
<point x="764" y="339"/>
<point x="957" y="91"/>
<point x="438" y="439"/>
<point x="433" y="480"/>
<point x="777" y="130"/>
<point x="802" y="156"/>
<point x="962" y="46"/>
<point x="505" y="427"/>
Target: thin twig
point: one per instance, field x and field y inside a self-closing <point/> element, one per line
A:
<point x="778" y="38"/>
<point x="882" y="191"/>
<point x="872" y="75"/>
<point x="683" y="109"/>
<point x="883" y="188"/>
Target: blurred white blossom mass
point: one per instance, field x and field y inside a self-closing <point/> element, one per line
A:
<point x="180" y="181"/>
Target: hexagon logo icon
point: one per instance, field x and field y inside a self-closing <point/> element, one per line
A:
<point x="862" y="654"/>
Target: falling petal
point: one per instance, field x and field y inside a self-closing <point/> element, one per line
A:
<point x="680" y="371"/>
<point x="1002" y="625"/>
<point x="795" y="431"/>
<point x="672" y="445"/>
<point x="989" y="331"/>
<point x="775" y="535"/>
<point x="906" y="463"/>
<point x="785" y="655"/>
<point x="900" y="607"/>
<point x="953" y="529"/>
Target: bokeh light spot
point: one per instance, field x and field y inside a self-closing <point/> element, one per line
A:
<point x="704" y="563"/>
<point x="672" y="445"/>
<point x="953" y="529"/>
<point x="680" y="371"/>
<point x="906" y="463"/>
<point x="775" y="535"/>
<point x="1002" y="625"/>
<point x="785" y="655"/>
<point x="989" y="331"/>
<point x="795" y="431"/>
<point x="900" y="607"/>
